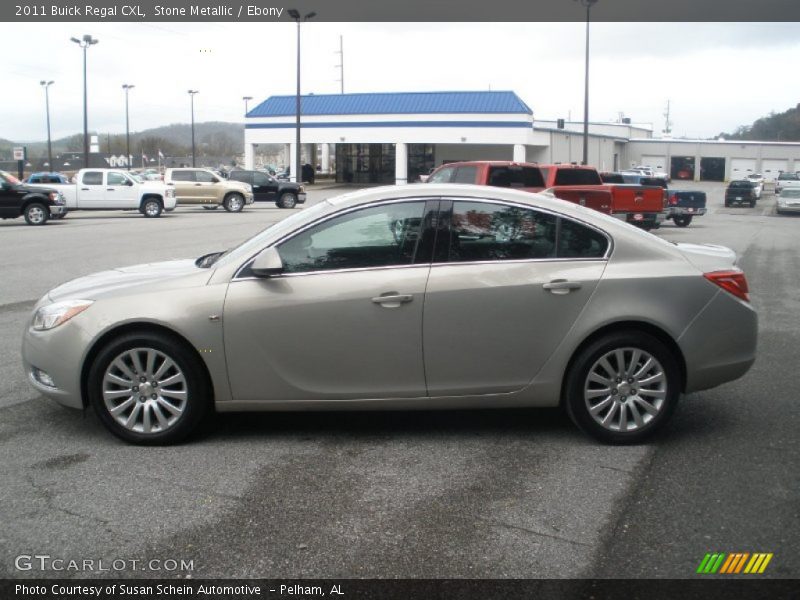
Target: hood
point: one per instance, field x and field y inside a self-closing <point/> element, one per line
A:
<point x="245" y="187"/>
<point x="153" y="185"/>
<point x="104" y="283"/>
<point x="708" y="257"/>
<point x="39" y="188"/>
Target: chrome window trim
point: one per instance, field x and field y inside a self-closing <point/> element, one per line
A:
<point x="328" y="217"/>
<point x="544" y="210"/>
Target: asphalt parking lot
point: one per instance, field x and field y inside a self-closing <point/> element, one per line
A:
<point x="486" y="494"/>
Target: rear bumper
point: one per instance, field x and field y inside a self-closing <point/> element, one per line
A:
<point x="720" y="343"/>
<point x="680" y="211"/>
<point x="641" y="219"/>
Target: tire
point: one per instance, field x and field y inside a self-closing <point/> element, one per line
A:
<point x="645" y="409"/>
<point x="752" y="203"/>
<point x="36" y="213"/>
<point x="682" y="221"/>
<point x="727" y="204"/>
<point x="287" y="200"/>
<point x="151" y="208"/>
<point x="233" y="202"/>
<point x="181" y="395"/>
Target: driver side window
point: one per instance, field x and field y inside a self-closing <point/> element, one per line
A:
<point x="379" y="236"/>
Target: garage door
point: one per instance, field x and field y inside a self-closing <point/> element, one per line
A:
<point x="742" y="167"/>
<point x="772" y="167"/>
<point x="657" y="163"/>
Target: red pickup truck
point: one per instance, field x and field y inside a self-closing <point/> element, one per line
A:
<point x="644" y="206"/>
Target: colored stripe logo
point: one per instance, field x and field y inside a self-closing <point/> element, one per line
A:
<point x="734" y="563"/>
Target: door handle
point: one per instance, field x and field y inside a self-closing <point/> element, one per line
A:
<point x="562" y="286"/>
<point x="84" y="189"/>
<point x="109" y="189"/>
<point x="392" y="299"/>
<point x="198" y="184"/>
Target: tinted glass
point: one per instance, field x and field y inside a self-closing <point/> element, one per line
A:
<point x="741" y="185"/>
<point x="790" y="193"/>
<point x="259" y="179"/>
<point x="117" y="179"/>
<point x="93" y="178"/>
<point x="786" y="176"/>
<point x="515" y="177"/>
<point x="182" y="176"/>
<point x="578" y="241"/>
<point x="371" y="237"/>
<point x="481" y="231"/>
<point x="204" y="177"/>
<point x="442" y="175"/>
<point x="465" y="175"/>
<point x="577" y="177"/>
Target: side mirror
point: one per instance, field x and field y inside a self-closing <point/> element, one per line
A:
<point x="267" y="263"/>
<point x="128" y="182"/>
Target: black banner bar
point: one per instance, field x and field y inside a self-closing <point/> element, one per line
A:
<point x="391" y="10"/>
<point x="403" y="589"/>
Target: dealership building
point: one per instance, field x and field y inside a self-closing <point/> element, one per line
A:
<point x="396" y="137"/>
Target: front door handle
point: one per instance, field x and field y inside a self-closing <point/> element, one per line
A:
<point x="562" y="286"/>
<point x="392" y="299"/>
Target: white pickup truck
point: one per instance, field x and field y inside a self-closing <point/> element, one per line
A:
<point x="115" y="189"/>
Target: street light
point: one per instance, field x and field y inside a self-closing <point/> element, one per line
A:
<point x="588" y="5"/>
<point x="127" y="88"/>
<point x="191" y="95"/>
<point x="246" y="100"/>
<point x="46" y="85"/>
<point x="295" y="14"/>
<point x="84" y="43"/>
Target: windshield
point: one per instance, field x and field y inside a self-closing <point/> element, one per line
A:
<point x="790" y="193"/>
<point x="787" y="176"/>
<point x="136" y="178"/>
<point x="8" y="177"/>
<point x="258" y="241"/>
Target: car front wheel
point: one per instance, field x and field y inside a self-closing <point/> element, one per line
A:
<point x="151" y="208"/>
<point x="36" y="214"/>
<point x="234" y="203"/>
<point x="622" y="387"/>
<point x="148" y="389"/>
<point x="288" y="200"/>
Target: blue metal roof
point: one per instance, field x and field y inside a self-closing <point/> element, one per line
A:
<point x="393" y="104"/>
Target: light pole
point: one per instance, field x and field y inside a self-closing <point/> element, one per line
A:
<point x="295" y="14"/>
<point x="127" y="88"/>
<point x="588" y="5"/>
<point x="191" y="95"/>
<point x="46" y="85"/>
<point x="246" y="100"/>
<point x="84" y="43"/>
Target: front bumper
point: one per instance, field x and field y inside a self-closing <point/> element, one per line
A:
<point x="58" y="209"/>
<point x="680" y="211"/>
<point x="59" y="353"/>
<point x="301" y="198"/>
<point x="788" y="207"/>
<point x="249" y="198"/>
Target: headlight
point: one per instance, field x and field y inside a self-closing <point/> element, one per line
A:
<point x="53" y="315"/>
<point x="170" y="193"/>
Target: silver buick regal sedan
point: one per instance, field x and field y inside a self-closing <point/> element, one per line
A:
<point x="411" y="297"/>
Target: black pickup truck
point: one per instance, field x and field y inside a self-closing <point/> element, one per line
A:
<point x="266" y="188"/>
<point x="36" y="204"/>
<point x="684" y="205"/>
<point x="741" y="192"/>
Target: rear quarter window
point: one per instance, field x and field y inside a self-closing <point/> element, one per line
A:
<point x="577" y="177"/>
<point x="182" y="176"/>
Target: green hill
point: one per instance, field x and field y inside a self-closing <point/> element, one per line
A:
<point x="775" y="127"/>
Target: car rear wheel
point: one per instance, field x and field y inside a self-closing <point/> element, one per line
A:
<point x="682" y="221"/>
<point x="288" y="200"/>
<point x="151" y="208"/>
<point x="233" y="203"/>
<point x="622" y="387"/>
<point x="148" y="389"/>
<point x="36" y="214"/>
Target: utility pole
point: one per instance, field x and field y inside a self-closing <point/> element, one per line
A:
<point x="46" y="85"/>
<point x="667" y="122"/>
<point x="86" y="41"/>
<point x="340" y="52"/>
<point x="127" y="87"/>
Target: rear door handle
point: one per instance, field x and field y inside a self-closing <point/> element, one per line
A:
<point x="109" y="189"/>
<point x="392" y="299"/>
<point x="562" y="286"/>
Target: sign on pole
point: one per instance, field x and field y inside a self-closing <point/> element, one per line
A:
<point x="19" y="153"/>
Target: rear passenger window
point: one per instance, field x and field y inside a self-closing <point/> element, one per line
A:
<point x="578" y="241"/>
<point x="93" y="178"/>
<point x="182" y="176"/>
<point x="204" y="177"/>
<point x="487" y="232"/>
<point x="516" y="177"/>
<point x="577" y="177"/>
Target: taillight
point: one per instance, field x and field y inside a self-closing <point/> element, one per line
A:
<point x="730" y="281"/>
<point x="673" y="200"/>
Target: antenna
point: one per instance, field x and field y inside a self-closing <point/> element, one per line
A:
<point x="667" y="122"/>
<point x="340" y="66"/>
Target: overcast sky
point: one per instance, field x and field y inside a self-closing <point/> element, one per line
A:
<point x="716" y="76"/>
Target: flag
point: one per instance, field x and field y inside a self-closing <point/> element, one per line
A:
<point x="160" y="155"/>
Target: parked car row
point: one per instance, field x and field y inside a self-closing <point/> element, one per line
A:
<point x="52" y="195"/>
